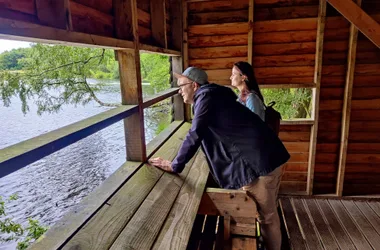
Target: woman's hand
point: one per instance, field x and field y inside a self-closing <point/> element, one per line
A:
<point x="161" y="163"/>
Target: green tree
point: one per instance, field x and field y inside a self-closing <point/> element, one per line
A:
<point x="15" y="231"/>
<point x="155" y="70"/>
<point x="9" y="60"/>
<point x="55" y="76"/>
<point x="291" y="103"/>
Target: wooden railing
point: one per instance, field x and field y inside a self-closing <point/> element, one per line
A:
<point x="21" y="154"/>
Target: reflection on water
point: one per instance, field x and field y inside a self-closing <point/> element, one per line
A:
<point x="49" y="187"/>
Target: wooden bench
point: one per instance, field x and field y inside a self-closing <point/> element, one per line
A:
<point x="143" y="207"/>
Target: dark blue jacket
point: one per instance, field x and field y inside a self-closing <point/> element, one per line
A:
<point x="238" y="145"/>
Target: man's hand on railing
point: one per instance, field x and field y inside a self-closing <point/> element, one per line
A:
<point x="161" y="163"/>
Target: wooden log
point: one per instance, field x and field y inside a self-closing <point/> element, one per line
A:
<point x="291" y="187"/>
<point x="282" y="13"/>
<point x="24" y="6"/>
<point x="327" y="147"/>
<point x="284" y="49"/>
<point x="218" y="52"/>
<point x="293" y="82"/>
<point x="217" y="63"/>
<point x="218" y="29"/>
<point x="211" y="6"/>
<point x="103" y="6"/>
<point x="176" y="26"/>
<point x="158" y="22"/>
<point x="16" y="15"/>
<point x="299" y="157"/>
<point x="295" y="136"/>
<point x="284" y="3"/>
<point x="217" y="41"/>
<point x="365" y="126"/>
<point x="294" y="176"/>
<point x="295" y="128"/>
<point x="218" y="17"/>
<point x="53" y="13"/>
<point x="332" y="93"/>
<point x="364" y="137"/>
<point x="296" y="166"/>
<point x="91" y="21"/>
<point x="364" y="93"/>
<point x="365" y="115"/>
<point x="144" y="18"/>
<point x="297" y="146"/>
<point x="144" y="5"/>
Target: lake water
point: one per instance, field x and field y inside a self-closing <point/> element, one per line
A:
<point x="48" y="188"/>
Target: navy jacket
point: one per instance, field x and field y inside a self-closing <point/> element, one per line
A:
<point x="238" y="145"/>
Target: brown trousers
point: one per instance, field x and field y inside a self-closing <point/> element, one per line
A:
<point x="265" y="190"/>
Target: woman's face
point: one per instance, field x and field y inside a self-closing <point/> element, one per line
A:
<point x="236" y="78"/>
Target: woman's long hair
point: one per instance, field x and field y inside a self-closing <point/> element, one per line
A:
<point x="247" y="70"/>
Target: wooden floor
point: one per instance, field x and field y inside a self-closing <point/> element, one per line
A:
<point x="331" y="223"/>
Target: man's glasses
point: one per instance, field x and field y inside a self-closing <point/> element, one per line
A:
<point x="180" y="86"/>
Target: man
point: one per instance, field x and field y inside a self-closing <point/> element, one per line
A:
<point x="242" y="151"/>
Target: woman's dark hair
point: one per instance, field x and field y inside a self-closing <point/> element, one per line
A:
<point x="247" y="70"/>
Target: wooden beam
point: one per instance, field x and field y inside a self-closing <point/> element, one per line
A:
<point x="24" y="31"/>
<point x="54" y="13"/>
<point x="351" y="61"/>
<point x="131" y="92"/>
<point x="185" y="52"/>
<point x="316" y="92"/>
<point x="178" y="104"/>
<point x="158" y="22"/>
<point x="21" y="154"/>
<point x="153" y="49"/>
<point x="126" y="26"/>
<point x="149" y="101"/>
<point x="250" y="32"/>
<point x="365" y="23"/>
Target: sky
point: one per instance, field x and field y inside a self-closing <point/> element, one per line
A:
<point x="10" y="44"/>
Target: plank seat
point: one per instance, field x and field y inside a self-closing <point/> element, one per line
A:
<point x="143" y="207"/>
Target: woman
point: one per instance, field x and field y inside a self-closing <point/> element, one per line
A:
<point x="264" y="189"/>
<point x="243" y="78"/>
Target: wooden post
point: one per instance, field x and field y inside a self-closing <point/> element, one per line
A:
<point x="126" y="27"/>
<point x="316" y="91"/>
<point x="54" y="13"/>
<point x="365" y="23"/>
<point x="176" y="14"/>
<point x="185" y="53"/>
<point x="351" y="60"/>
<point x="158" y="21"/>
<point x="250" y="32"/>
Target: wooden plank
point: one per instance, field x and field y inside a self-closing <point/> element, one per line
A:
<point x="295" y="136"/>
<point x="368" y="126"/>
<point x="91" y="21"/>
<point x="84" y="210"/>
<point x="340" y="235"/>
<point x="21" y="154"/>
<point x="226" y="227"/>
<point x="299" y="157"/>
<point x="292" y="187"/>
<point x="296" y="166"/>
<point x="239" y="243"/>
<point x="251" y="19"/>
<point x="307" y="225"/>
<point x="294" y="233"/>
<point x="345" y="219"/>
<point x="363" y="158"/>
<point x="294" y="176"/>
<point x="297" y="146"/>
<point x="323" y="229"/>
<point x="316" y="93"/>
<point x="104" y="6"/>
<point x="144" y="226"/>
<point x="363" y="148"/>
<point x="104" y="227"/>
<point x="216" y="63"/>
<point x="365" y="23"/>
<point x="162" y="137"/>
<point x="158" y="22"/>
<point x="217" y="41"/>
<point x="282" y="3"/>
<point x="365" y="115"/>
<point x="363" y="93"/>
<point x="363" y="224"/>
<point x="157" y="50"/>
<point x="176" y="231"/>
<point x="53" y="13"/>
<point x="208" y="235"/>
<point x="284" y="49"/>
<point x="186" y="52"/>
<point x="16" y="15"/>
<point x="371" y="215"/>
<point x="126" y="24"/>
